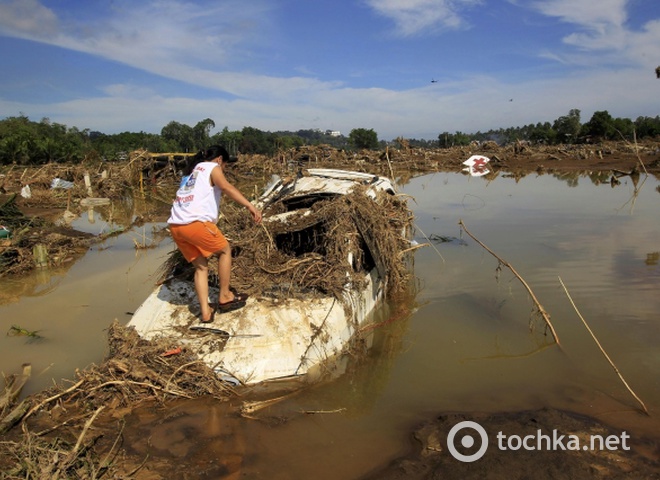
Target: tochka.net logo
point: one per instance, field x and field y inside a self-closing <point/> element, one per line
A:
<point x="555" y="441"/>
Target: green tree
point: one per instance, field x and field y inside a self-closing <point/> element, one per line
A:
<point x="17" y="135"/>
<point x="179" y="135"/>
<point x="15" y="149"/>
<point x="445" y="140"/>
<point x="254" y="140"/>
<point x="568" y="127"/>
<point x="600" y="125"/>
<point x="448" y="140"/>
<point x="201" y="133"/>
<point x="228" y="139"/>
<point x="542" y="133"/>
<point x="647" y="126"/>
<point x="363" y="138"/>
<point x="117" y="146"/>
<point x="623" y="127"/>
<point x="286" y="142"/>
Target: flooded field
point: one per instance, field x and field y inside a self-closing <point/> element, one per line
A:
<point x="464" y="345"/>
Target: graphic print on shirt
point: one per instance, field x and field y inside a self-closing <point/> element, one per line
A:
<point x="184" y="195"/>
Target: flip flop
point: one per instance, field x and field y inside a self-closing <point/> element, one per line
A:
<point x="210" y="320"/>
<point x="241" y="296"/>
<point x="234" y="304"/>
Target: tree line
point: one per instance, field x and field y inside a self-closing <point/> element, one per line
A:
<point x="25" y="142"/>
<point x="566" y="129"/>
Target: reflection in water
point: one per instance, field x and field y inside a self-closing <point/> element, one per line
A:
<point x="367" y="371"/>
<point x="466" y="345"/>
<point x="195" y="438"/>
<point x="41" y="282"/>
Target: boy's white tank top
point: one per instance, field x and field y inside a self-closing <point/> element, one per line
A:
<point x="196" y="199"/>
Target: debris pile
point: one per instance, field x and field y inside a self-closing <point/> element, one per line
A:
<point x="56" y="440"/>
<point x="37" y="205"/>
<point x="32" y="242"/>
<point x="309" y="252"/>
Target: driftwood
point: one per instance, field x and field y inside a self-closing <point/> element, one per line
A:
<point x="14" y="386"/>
<point x="88" y="424"/>
<point x="539" y="307"/>
<point x="644" y="409"/>
<point x="50" y="399"/>
<point x="13" y="417"/>
<point x="13" y="389"/>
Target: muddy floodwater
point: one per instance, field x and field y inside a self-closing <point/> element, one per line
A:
<point x="466" y="340"/>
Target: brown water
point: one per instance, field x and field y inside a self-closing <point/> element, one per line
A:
<point x="466" y="346"/>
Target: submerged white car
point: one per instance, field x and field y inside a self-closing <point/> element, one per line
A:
<point x="275" y="338"/>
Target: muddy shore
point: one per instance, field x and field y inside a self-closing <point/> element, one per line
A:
<point x="507" y="458"/>
<point x="428" y="455"/>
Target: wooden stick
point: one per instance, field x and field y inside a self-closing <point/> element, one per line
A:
<point x="603" y="350"/>
<point x="317" y="412"/>
<point x="270" y="239"/>
<point x="636" y="146"/>
<point x="389" y="164"/>
<point x="13" y="417"/>
<point x="637" y="188"/>
<point x="50" y="399"/>
<point x="137" y="469"/>
<point x="419" y="245"/>
<point x="14" y="387"/>
<point x="88" y="424"/>
<point x="169" y="380"/>
<point x="68" y="421"/>
<point x="140" y="384"/>
<point x="73" y="454"/>
<point x="430" y="243"/>
<point x="544" y="314"/>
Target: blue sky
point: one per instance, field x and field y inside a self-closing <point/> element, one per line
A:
<point x="125" y="65"/>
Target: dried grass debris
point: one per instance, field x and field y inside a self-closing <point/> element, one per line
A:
<point x="56" y="438"/>
<point x="309" y="253"/>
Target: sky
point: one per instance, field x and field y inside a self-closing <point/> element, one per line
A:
<point x="404" y="68"/>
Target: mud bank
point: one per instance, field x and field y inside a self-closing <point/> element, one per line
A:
<point x="557" y="445"/>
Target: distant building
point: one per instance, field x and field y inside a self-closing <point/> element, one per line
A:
<point x="333" y="133"/>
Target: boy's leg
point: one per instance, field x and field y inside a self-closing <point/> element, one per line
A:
<point x="202" y="286"/>
<point x="224" y="275"/>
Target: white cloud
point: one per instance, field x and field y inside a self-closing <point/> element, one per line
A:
<point x="603" y="36"/>
<point x="469" y="104"/>
<point x="602" y="25"/>
<point x="644" y="47"/>
<point x="27" y="19"/>
<point x="595" y="16"/>
<point x="150" y="32"/>
<point x="413" y="17"/>
<point x="188" y="41"/>
<point x="124" y="90"/>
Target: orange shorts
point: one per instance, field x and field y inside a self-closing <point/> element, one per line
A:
<point x="198" y="238"/>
